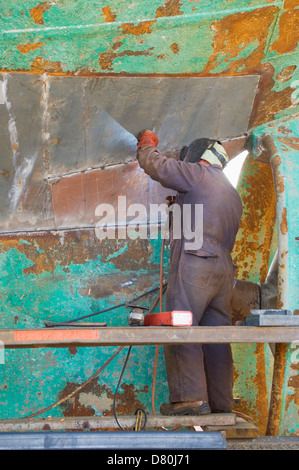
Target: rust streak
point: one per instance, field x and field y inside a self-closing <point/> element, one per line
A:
<point x="25" y="48"/>
<point x="284" y="222"/>
<point x="106" y="58"/>
<point x="144" y="27"/>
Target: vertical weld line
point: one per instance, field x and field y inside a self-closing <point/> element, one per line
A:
<point x="84" y="125"/>
<point x="49" y="211"/>
<point x="45" y="120"/>
<point x="269" y="41"/>
<point x="13" y="137"/>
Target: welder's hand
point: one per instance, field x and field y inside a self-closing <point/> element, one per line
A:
<point x="146" y="138"/>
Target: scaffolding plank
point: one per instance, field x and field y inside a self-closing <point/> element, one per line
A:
<point x="117" y="336"/>
<point x="109" y="422"/>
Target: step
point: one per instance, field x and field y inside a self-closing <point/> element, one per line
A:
<point x="241" y="430"/>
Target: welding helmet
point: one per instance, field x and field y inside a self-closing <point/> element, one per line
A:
<point x="206" y="149"/>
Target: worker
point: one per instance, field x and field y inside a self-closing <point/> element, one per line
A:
<point x="199" y="376"/>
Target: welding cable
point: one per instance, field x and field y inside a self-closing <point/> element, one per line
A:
<point x="138" y="411"/>
<point x="70" y="395"/>
<point x="116" y="392"/>
<point x="124" y="304"/>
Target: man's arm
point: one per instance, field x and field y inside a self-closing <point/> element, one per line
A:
<point x="177" y="175"/>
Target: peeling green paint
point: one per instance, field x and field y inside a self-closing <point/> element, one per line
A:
<point x="52" y="282"/>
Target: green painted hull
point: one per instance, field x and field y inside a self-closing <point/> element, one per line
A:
<point x="57" y="270"/>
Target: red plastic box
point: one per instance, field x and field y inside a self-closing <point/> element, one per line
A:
<point x="174" y="318"/>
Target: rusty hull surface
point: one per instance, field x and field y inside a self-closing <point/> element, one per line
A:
<point x="53" y="57"/>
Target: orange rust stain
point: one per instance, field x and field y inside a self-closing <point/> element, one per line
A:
<point x="25" y="48"/>
<point x="279" y="179"/>
<point x="170" y="8"/>
<point x="175" y="48"/>
<point x="284" y="130"/>
<point x="260" y="386"/>
<point x="284" y="222"/>
<point x="41" y="65"/>
<point x="286" y="74"/>
<point x="258" y="199"/>
<point x="106" y="58"/>
<point x="109" y="16"/>
<point x="37" y="12"/>
<point x="234" y="33"/>
<point x="269" y="102"/>
<point x="292" y="142"/>
<point x="288" y="29"/>
<point x="259" y="412"/>
<point x="144" y="27"/>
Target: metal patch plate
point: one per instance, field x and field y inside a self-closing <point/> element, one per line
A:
<point x="52" y="126"/>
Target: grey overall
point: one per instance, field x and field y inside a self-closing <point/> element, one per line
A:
<point x="200" y="280"/>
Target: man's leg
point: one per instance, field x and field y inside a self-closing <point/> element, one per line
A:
<point x="184" y="363"/>
<point x="218" y="357"/>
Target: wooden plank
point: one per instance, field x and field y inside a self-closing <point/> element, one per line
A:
<point x="241" y="430"/>
<point x="117" y="336"/>
<point x="108" y="422"/>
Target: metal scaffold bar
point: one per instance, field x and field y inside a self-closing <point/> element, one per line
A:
<point x="117" y="336"/>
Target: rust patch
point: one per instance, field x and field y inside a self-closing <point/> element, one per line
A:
<point x="48" y="250"/>
<point x="286" y="74"/>
<point x="284" y="222"/>
<point x="106" y="58"/>
<point x="74" y="407"/>
<point x="284" y="130"/>
<point x="252" y="249"/>
<point x="175" y="48"/>
<point x="37" y="12"/>
<point x="25" y="48"/>
<point x="144" y="27"/>
<point x="260" y="386"/>
<point x="291" y="142"/>
<point x="269" y="102"/>
<point x="170" y="8"/>
<point x="109" y="16"/>
<point x="234" y="33"/>
<point x="279" y="180"/>
<point x="126" y="401"/>
<point x="41" y="65"/>
<point x="288" y="29"/>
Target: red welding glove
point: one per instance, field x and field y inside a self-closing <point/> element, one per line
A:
<point x="147" y="138"/>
